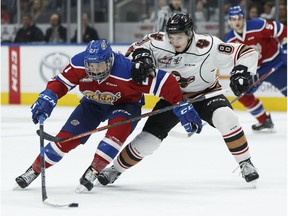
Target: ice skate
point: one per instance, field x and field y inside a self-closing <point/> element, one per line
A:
<point x="265" y="127"/>
<point x="26" y="178"/>
<point x="87" y="180"/>
<point x="249" y="172"/>
<point x="108" y="175"/>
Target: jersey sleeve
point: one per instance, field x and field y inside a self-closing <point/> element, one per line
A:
<point x="163" y="85"/>
<point x="145" y="42"/>
<point x="229" y="55"/>
<point x="67" y="79"/>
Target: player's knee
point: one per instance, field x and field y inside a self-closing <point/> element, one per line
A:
<point x="145" y="143"/>
<point x="225" y="120"/>
<point x="69" y="145"/>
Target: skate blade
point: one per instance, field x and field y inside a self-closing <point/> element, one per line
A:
<point x="16" y="187"/>
<point x="253" y="184"/>
<point x="81" y="189"/>
<point x="265" y="131"/>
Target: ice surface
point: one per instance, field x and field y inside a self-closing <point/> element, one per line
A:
<point x="186" y="176"/>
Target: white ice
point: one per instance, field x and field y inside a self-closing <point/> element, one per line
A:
<point x="185" y="177"/>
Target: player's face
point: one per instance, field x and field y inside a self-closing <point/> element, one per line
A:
<point x="179" y="41"/>
<point x="97" y="68"/>
<point x="237" y="23"/>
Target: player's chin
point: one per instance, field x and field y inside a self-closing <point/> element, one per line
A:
<point x="179" y="49"/>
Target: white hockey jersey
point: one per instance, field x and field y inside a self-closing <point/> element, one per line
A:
<point x="195" y="69"/>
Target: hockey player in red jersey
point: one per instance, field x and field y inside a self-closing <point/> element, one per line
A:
<point x="193" y="59"/>
<point x="104" y="79"/>
<point x="269" y="38"/>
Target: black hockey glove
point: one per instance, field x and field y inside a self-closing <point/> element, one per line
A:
<point x="239" y="80"/>
<point x="143" y="65"/>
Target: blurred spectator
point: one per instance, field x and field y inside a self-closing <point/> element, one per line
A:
<point x="253" y="12"/>
<point x="5" y="36"/>
<point x="29" y="31"/>
<point x="227" y="5"/>
<point x="269" y="11"/>
<point x="36" y="10"/>
<point x="200" y="13"/>
<point x="175" y="6"/>
<point x="88" y="33"/>
<point x="56" y="33"/>
<point x="5" y="14"/>
<point x="161" y="4"/>
<point x="283" y="14"/>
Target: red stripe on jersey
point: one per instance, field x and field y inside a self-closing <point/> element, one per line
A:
<point x="236" y="54"/>
<point x="248" y="51"/>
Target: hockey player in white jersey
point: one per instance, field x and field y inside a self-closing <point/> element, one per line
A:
<point x="193" y="58"/>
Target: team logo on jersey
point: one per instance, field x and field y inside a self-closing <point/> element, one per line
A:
<point x="75" y="122"/>
<point x="177" y="60"/>
<point x="202" y="43"/>
<point x="165" y="60"/>
<point x="183" y="82"/>
<point x="102" y="97"/>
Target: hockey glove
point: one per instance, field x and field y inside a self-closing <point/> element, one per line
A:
<point x="188" y="117"/>
<point x="44" y="105"/>
<point x="239" y="80"/>
<point x="142" y="65"/>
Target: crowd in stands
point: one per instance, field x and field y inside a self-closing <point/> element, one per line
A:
<point x="33" y="14"/>
<point x="39" y="11"/>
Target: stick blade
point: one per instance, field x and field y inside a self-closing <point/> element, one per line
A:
<point x="54" y="204"/>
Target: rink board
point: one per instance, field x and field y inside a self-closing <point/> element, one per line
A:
<point x="26" y="69"/>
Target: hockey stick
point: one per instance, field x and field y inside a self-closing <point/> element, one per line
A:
<point x="261" y="79"/>
<point x="43" y="177"/>
<point x="155" y="112"/>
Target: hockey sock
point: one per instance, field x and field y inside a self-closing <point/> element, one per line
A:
<point x="142" y="145"/>
<point x="237" y="145"/>
<point x="254" y="106"/>
<point x="226" y="121"/>
<point x="107" y="150"/>
<point x="54" y="152"/>
<point x="110" y="146"/>
<point x="126" y="159"/>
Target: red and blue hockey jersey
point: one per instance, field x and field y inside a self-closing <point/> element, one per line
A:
<point x="264" y="36"/>
<point x="118" y="88"/>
